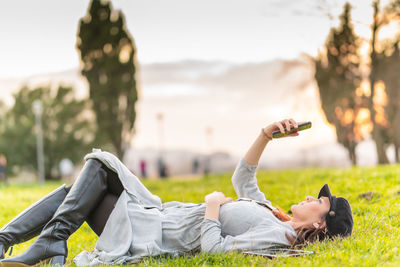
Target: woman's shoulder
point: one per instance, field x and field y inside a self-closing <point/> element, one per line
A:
<point x="267" y="220"/>
<point x="275" y="231"/>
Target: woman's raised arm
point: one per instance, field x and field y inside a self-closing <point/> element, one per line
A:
<point x="253" y="155"/>
<point x="244" y="178"/>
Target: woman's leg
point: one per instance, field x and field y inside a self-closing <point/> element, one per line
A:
<point x="51" y="245"/>
<point x="114" y="185"/>
<point x="98" y="217"/>
<point x="30" y="222"/>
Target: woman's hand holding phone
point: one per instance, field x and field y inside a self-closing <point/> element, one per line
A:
<point x="281" y="126"/>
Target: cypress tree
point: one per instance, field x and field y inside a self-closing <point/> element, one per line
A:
<point x="108" y="62"/>
<point x="338" y="76"/>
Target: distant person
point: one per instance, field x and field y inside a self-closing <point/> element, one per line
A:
<point x="143" y="168"/>
<point x="3" y="169"/>
<point x="206" y="170"/>
<point x="66" y="167"/>
<point x="166" y="170"/>
<point x="195" y="165"/>
<point x="160" y="167"/>
<point x="134" y="223"/>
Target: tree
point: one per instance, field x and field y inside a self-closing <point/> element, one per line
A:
<point x="387" y="69"/>
<point x="378" y="130"/>
<point x="384" y="68"/>
<point x="338" y="77"/>
<point x="68" y="131"/>
<point x="107" y="53"/>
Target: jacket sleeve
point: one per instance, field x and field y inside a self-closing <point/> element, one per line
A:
<point x="253" y="239"/>
<point x="244" y="181"/>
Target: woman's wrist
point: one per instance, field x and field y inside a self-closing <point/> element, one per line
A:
<point x="212" y="210"/>
<point x="267" y="137"/>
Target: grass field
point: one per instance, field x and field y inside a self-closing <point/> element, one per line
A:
<point x="373" y="193"/>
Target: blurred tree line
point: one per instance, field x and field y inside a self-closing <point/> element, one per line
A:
<point x="358" y="102"/>
<point x="67" y="132"/>
<point x="71" y="127"/>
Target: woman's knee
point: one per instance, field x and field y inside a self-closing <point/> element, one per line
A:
<point x="114" y="185"/>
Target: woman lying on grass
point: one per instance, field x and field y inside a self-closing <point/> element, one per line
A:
<point x="133" y="223"/>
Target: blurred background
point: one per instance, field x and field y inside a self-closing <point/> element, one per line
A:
<point x="183" y="87"/>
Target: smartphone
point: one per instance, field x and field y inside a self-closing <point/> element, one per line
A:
<point x="279" y="252"/>
<point x="301" y="126"/>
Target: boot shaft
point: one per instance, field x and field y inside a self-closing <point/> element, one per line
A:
<point x="30" y="222"/>
<point x="86" y="192"/>
<point x="89" y="188"/>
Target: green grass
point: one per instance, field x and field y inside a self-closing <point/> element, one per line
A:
<point x="376" y="215"/>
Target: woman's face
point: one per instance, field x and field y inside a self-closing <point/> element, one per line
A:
<point x="311" y="210"/>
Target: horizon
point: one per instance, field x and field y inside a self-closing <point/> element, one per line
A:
<point x="172" y="94"/>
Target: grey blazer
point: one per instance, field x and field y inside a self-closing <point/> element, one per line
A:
<point x="141" y="225"/>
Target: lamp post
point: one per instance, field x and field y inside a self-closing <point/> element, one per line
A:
<point x="207" y="163"/>
<point x="38" y="110"/>
<point x="160" y="117"/>
<point x="209" y="133"/>
<point x="160" y="161"/>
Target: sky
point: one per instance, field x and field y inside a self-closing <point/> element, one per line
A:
<point x="39" y="36"/>
<point x="241" y="61"/>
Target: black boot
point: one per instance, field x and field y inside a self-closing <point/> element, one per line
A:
<point x="30" y="222"/>
<point x="51" y="245"/>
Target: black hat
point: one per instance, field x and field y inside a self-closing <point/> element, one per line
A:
<point x="339" y="219"/>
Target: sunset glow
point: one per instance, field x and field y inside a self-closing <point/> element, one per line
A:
<point x="380" y="100"/>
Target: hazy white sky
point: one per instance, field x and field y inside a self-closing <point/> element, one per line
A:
<point x="39" y="36"/>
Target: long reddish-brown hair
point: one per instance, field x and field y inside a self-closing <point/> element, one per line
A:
<point x="304" y="235"/>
